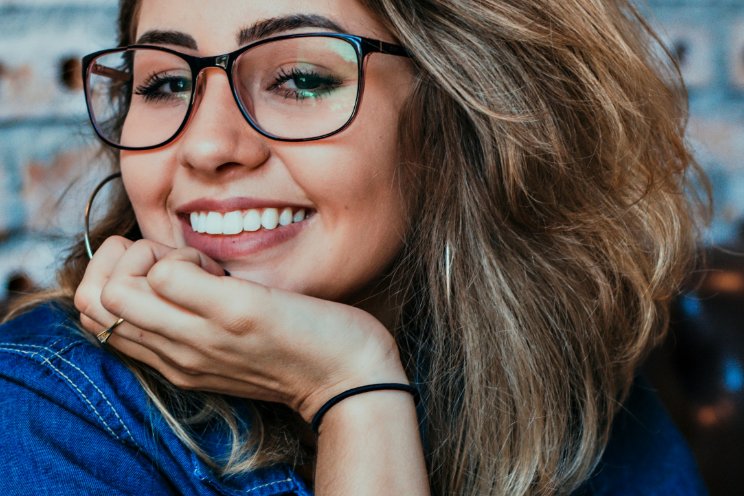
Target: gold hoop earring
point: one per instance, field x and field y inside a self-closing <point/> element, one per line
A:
<point x="89" y="204"/>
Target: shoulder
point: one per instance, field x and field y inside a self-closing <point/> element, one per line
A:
<point x="70" y="408"/>
<point x="646" y="454"/>
<point x="44" y="352"/>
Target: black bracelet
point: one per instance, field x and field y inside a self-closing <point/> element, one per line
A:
<point x="318" y="417"/>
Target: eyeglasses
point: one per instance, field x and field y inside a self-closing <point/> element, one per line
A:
<point x="298" y="87"/>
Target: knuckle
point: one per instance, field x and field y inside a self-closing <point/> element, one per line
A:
<point x="187" y="253"/>
<point x="112" y="296"/>
<point x="82" y="300"/>
<point x="114" y="245"/>
<point x="141" y="249"/>
<point x="112" y="242"/>
<point x="161" y="273"/>
<point x="189" y="364"/>
<point x="181" y="381"/>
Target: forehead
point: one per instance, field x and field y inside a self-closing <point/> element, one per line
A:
<point x="215" y="25"/>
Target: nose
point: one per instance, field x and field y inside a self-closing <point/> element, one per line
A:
<point x="217" y="138"/>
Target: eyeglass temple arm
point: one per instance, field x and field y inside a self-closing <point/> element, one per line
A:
<point x="102" y="70"/>
<point x="384" y="47"/>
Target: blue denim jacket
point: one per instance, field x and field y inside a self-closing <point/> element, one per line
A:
<point x="76" y="421"/>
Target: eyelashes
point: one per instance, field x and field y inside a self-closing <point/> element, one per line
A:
<point x="293" y="84"/>
<point x="303" y="84"/>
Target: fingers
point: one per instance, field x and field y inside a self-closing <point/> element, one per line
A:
<point x="196" y="258"/>
<point x="97" y="273"/>
<point x="205" y="293"/>
<point x="184" y="369"/>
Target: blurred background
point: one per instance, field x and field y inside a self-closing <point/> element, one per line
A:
<point x="49" y="165"/>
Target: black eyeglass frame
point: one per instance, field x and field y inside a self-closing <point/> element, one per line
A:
<point x="362" y="46"/>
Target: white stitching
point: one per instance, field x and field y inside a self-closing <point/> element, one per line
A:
<point x="268" y="484"/>
<point x="71" y="364"/>
<point x="46" y="360"/>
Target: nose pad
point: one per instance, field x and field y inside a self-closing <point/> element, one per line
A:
<point x="201" y="86"/>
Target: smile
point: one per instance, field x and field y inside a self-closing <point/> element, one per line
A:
<point x="239" y="221"/>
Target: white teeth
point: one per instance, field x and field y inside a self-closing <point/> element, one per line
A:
<point x="270" y="218"/>
<point x="232" y="223"/>
<point x="214" y="223"/>
<point x="285" y="218"/>
<point x="252" y="221"/>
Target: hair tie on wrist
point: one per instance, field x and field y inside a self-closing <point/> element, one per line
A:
<point x="318" y="417"/>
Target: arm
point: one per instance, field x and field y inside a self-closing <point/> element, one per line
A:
<point x="204" y="331"/>
<point x="369" y="444"/>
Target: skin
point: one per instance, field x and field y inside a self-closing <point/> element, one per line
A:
<point x="282" y="327"/>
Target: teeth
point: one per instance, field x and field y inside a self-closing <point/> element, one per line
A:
<point x="270" y="218"/>
<point x="252" y="221"/>
<point x="285" y="218"/>
<point x="214" y="223"/>
<point x="232" y="223"/>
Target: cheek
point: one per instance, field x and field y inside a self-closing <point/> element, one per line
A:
<point x="147" y="185"/>
<point x="353" y="183"/>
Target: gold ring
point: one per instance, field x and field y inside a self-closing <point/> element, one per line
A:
<point x="104" y="336"/>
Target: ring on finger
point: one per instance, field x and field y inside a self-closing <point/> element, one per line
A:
<point x="104" y="336"/>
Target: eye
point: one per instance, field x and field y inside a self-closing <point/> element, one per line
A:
<point x="159" y="87"/>
<point x="301" y="84"/>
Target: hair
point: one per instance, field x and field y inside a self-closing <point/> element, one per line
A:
<point x="557" y="215"/>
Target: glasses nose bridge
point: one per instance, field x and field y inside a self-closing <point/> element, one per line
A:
<point x="202" y="64"/>
<point x="218" y="61"/>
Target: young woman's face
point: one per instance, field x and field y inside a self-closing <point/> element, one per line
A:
<point x="220" y="169"/>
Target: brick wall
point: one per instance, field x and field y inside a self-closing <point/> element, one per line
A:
<point x="45" y="142"/>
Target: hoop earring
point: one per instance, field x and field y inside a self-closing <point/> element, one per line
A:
<point x="88" y="206"/>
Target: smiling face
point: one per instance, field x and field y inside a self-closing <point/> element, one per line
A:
<point x="324" y="218"/>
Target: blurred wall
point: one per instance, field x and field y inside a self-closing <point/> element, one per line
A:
<point x="707" y="37"/>
<point x="45" y="142"/>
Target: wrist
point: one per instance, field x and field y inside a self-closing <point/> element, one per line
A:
<point x="406" y="388"/>
<point x="310" y="406"/>
<point x="368" y="411"/>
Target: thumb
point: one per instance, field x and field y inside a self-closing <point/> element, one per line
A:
<point x="194" y="256"/>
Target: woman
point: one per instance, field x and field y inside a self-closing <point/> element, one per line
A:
<point x="500" y="221"/>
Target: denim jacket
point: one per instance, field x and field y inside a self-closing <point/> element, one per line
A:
<point x="76" y="421"/>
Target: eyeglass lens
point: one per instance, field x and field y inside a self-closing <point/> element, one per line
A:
<point x="296" y="88"/>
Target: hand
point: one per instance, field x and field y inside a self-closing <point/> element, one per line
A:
<point x="202" y="330"/>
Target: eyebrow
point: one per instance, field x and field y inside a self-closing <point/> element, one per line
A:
<point x="274" y="25"/>
<point x="158" y="37"/>
<point x="256" y="31"/>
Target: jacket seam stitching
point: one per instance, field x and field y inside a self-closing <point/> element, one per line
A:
<point x="86" y="376"/>
<point x="70" y="381"/>
<point x="262" y="486"/>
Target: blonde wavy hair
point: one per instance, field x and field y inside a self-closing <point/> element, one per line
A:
<point x="555" y="220"/>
